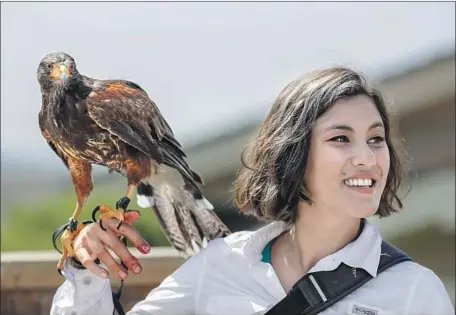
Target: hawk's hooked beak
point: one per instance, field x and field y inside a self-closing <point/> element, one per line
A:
<point x="64" y="73"/>
<point x="60" y="72"/>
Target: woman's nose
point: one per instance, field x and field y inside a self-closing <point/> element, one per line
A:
<point x="364" y="156"/>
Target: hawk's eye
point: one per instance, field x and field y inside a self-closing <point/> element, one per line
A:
<point x="49" y="66"/>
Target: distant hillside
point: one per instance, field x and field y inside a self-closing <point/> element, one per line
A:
<point x="22" y="183"/>
<point x="29" y="226"/>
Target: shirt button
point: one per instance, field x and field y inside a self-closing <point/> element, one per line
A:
<point x="86" y="281"/>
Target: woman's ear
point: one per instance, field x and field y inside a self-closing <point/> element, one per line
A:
<point x="304" y="193"/>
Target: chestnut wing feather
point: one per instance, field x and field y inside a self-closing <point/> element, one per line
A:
<point x="125" y="110"/>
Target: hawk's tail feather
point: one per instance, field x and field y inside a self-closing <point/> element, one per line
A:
<point x="179" y="228"/>
<point x="186" y="217"/>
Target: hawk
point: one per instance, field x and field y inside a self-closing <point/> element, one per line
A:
<point x="115" y="124"/>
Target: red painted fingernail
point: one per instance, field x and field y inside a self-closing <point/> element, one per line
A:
<point x="144" y="248"/>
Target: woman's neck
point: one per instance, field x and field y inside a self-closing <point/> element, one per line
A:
<point x="315" y="235"/>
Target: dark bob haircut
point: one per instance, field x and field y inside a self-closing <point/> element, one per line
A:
<point x="271" y="181"/>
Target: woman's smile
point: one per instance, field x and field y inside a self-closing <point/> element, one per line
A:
<point x="361" y="183"/>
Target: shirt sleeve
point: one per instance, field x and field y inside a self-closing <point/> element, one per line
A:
<point x="429" y="296"/>
<point x="82" y="293"/>
<point x="177" y="294"/>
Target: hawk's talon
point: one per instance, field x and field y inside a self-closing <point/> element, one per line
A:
<point x="71" y="227"/>
<point x="97" y="208"/>
<point x="70" y="231"/>
<point x="118" y="225"/>
<point x="107" y="213"/>
<point x="100" y="221"/>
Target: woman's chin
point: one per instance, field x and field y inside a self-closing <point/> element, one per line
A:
<point x="367" y="211"/>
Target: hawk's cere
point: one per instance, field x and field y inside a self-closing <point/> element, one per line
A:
<point x="115" y="124"/>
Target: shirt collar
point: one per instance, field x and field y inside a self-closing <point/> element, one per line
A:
<point x="363" y="253"/>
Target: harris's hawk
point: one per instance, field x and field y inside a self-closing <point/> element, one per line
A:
<point x="115" y="124"/>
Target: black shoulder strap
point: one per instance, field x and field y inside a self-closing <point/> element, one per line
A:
<point x="116" y="295"/>
<point x="317" y="291"/>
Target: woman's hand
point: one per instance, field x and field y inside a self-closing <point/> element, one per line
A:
<point x="92" y="243"/>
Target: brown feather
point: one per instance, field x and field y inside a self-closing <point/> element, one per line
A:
<point x="137" y="170"/>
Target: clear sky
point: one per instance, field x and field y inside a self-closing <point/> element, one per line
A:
<point x="206" y="65"/>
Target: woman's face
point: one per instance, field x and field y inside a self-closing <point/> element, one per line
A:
<point x="348" y="160"/>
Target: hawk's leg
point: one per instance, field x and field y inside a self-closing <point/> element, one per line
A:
<point x="81" y="174"/>
<point x="136" y="171"/>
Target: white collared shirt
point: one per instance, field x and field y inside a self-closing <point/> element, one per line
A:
<point x="228" y="277"/>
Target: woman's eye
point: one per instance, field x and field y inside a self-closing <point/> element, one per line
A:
<point x="339" y="139"/>
<point x="377" y="139"/>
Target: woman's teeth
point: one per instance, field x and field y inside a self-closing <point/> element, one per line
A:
<point x="361" y="182"/>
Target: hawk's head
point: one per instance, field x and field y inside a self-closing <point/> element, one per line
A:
<point x="57" y="70"/>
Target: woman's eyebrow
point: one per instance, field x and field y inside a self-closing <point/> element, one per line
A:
<point x="348" y="128"/>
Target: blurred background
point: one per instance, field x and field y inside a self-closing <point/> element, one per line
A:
<point x="214" y="69"/>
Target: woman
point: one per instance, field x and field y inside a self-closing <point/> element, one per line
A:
<point x="322" y="163"/>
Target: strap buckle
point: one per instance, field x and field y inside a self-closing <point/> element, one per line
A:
<point x="311" y="291"/>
